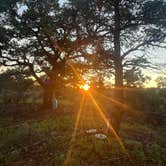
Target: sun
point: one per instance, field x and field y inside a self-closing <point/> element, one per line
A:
<point x="85" y="87"/>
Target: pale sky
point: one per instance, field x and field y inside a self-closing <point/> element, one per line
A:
<point x="158" y="56"/>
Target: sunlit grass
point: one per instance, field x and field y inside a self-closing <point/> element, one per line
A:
<point x="68" y="157"/>
<point x="86" y="149"/>
<point x="109" y="125"/>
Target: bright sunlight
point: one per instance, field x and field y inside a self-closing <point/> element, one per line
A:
<point x="85" y="87"/>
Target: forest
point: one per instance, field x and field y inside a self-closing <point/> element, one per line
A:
<point x="83" y="82"/>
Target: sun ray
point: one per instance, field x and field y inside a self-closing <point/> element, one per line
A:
<point x="68" y="156"/>
<point x="110" y="126"/>
<point x="122" y="105"/>
<point x="102" y="116"/>
<point x="76" y="73"/>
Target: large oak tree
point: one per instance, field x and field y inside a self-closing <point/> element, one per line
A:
<point x="41" y="42"/>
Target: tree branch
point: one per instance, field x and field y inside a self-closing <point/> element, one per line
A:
<point x="31" y="67"/>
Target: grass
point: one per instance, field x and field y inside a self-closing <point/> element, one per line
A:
<point x="45" y="140"/>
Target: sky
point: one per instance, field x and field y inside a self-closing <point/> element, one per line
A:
<point x="158" y="57"/>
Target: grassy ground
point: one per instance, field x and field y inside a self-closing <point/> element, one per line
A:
<point x="44" y="138"/>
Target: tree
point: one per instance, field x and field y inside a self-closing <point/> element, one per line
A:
<point x="14" y="83"/>
<point x="42" y="42"/>
<point x="5" y="5"/>
<point x="161" y="82"/>
<point x="135" y="78"/>
<point x="120" y="31"/>
<point x="5" y="34"/>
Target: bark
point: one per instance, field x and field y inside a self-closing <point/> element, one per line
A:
<point x="47" y="98"/>
<point x="48" y="89"/>
<point x="118" y="112"/>
<point x="49" y="92"/>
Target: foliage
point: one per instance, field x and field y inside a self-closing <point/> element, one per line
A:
<point x="53" y="34"/>
<point x="136" y="150"/>
<point x="120" y="32"/>
<point x="43" y="32"/>
<point x="5" y="5"/>
<point x="13" y="85"/>
<point x="135" y="78"/>
<point x="132" y="26"/>
<point x="161" y="82"/>
<point x="156" y="153"/>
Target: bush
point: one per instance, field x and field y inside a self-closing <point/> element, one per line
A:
<point x="136" y="151"/>
<point x="156" y="154"/>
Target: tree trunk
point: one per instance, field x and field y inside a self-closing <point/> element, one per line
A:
<point x="47" y="98"/>
<point x="48" y="87"/>
<point x="118" y="112"/>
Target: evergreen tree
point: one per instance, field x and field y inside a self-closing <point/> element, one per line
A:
<point x="120" y="32"/>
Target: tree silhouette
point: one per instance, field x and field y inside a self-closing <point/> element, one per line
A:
<point x="121" y="31"/>
<point x="41" y="42"/>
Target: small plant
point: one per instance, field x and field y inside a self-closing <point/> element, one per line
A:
<point x="156" y="153"/>
<point x="136" y="151"/>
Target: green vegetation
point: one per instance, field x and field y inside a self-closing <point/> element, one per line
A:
<point x="45" y="140"/>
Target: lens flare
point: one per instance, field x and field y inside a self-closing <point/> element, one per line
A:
<point x="85" y="87"/>
<point x="102" y="116"/>
<point x="109" y="125"/>
<point x="69" y="153"/>
<point x="122" y="105"/>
